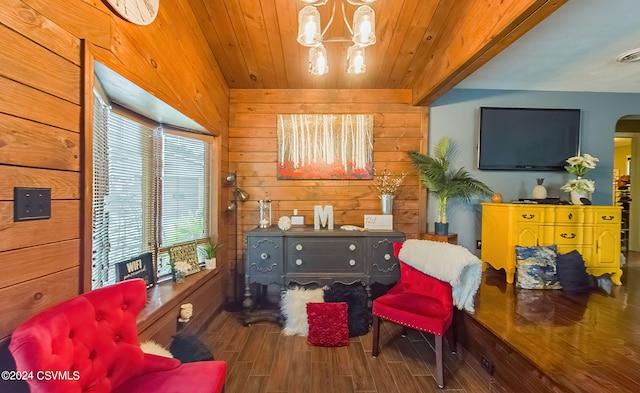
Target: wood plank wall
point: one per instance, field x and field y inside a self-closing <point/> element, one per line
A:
<point x="41" y="78"/>
<point x="398" y="127"/>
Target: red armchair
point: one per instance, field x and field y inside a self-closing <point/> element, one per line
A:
<point x="420" y="302"/>
<point x="90" y="344"/>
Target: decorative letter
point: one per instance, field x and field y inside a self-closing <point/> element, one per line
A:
<point x="320" y="216"/>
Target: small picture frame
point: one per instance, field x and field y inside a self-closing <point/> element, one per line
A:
<point x="297" y="221"/>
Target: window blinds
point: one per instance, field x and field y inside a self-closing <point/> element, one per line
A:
<point x="150" y="191"/>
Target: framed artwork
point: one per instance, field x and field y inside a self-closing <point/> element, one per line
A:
<point x="185" y="253"/>
<point x="333" y="146"/>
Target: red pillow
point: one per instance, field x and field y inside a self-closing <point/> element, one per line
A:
<point x="328" y="324"/>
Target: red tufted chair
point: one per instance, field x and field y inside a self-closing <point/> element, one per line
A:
<point x="420" y="302"/>
<point x="90" y="344"/>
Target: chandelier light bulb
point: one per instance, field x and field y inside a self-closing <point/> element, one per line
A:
<point x="318" y="64"/>
<point x="364" y="20"/>
<point x="309" y="27"/>
<point x="355" y="60"/>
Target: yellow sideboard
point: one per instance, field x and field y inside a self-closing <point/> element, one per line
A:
<point x="592" y="230"/>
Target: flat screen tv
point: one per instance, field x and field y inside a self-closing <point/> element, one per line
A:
<point x="527" y="139"/>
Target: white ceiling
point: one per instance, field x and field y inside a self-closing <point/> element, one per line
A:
<point x="574" y="49"/>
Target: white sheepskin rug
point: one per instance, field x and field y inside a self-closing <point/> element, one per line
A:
<point x="293" y="306"/>
<point x="447" y="262"/>
<point x="153" y="348"/>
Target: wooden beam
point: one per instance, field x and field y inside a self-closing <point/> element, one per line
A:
<point x="473" y="40"/>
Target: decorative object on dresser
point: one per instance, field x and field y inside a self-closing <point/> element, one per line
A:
<point x="594" y="231"/>
<point x="437" y="176"/>
<point x="264" y="213"/>
<point x="539" y="191"/>
<point x="387" y="186"/>
<point x="323" y="217"/>
<point x="284" y="223"/>
<point x="580" y="188"/>
<point x="306" y="256"/>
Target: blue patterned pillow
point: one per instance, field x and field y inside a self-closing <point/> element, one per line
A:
<point x="536" y="267"/>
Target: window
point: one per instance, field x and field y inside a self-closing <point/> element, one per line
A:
<point x="150" y="190"/>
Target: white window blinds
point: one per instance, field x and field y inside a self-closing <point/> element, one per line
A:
<point x="150" y="191"/>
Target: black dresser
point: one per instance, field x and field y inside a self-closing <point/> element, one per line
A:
<point x="305" y="255"/>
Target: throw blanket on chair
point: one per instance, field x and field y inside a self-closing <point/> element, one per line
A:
<point x="446" y="262"/>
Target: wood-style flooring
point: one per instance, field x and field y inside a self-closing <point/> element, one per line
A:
<point x="262" y="360"/>
<point x="585" y="343"/>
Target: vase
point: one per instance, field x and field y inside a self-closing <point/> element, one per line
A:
<point x="179" y="276"/>
<point x="539" y="191"/>
<point x="387" y="203"/>
<point x="441" y="228"/>
<point x="577" y="194"/>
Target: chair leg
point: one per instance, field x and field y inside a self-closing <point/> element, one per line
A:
<point x="451" y="337"/>
<point x="439" y="363"/>
<point x="376" y="336"/>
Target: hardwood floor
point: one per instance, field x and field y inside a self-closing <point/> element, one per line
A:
<point x="262" y="360"/>
<point x="578" y="343"/>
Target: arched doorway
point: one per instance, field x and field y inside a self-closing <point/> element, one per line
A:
<point x="626" y="175"/>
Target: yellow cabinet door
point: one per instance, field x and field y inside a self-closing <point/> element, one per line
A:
<point x="606" y="252"/>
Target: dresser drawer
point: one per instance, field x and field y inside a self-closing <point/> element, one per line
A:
<point x="569" y="215"/>
<point x="607" y="216"/>
<point x="529" y="214"/>
<point x="341" y="255"/>
<point x="568" y="234"/>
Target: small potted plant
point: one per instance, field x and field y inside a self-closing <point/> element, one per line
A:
<point x="210" y="251"/>
<point x="446" y="183"/>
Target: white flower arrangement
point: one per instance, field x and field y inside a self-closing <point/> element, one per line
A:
<point x="182" y="266"/>
<point x="388" y="184"/>
<point x="579" y="166"/>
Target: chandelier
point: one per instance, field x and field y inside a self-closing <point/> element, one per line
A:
<point x="362" y="34"/>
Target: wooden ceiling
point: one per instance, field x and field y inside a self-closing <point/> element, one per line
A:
<point x="424" y="45"/>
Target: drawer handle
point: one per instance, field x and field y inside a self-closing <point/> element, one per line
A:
<point x="352" y="262"/>
<point x="528" y="216"/>
<point x="387" y="257"/>
<point x="298" y="261"/>
<point x="568" y="235"/>
<point x="570" y="216"/>
<point x="607" y="218"/>
<point x="299" y="247"/>
<point x="264" y="255"/>
<point x="352" y="247"/>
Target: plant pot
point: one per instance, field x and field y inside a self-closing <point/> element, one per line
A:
<point x="441" y="228"/>
<point x="210" y="263"/>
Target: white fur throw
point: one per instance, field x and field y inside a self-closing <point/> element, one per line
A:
<point x="153" y="348"/>
<point x="446" y="262"/>
<point x="293" y="306"/>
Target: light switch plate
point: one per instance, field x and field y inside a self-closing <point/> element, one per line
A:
<point x="31" y="203"/>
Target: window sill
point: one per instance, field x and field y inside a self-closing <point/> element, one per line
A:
<point x="168" y="295"/>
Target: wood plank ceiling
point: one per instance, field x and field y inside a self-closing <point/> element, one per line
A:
<point x="424" y="45"/>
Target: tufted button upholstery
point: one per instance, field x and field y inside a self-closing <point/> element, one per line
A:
<point x="95" y="335"/>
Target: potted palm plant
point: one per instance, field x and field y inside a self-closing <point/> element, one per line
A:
<point x="446" y="183"/>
